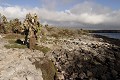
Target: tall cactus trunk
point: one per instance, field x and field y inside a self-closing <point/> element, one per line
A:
<point x="32" y="41"/>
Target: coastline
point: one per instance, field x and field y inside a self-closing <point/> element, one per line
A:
<point x="109" y="40"/>
<point x="97" y="58"/>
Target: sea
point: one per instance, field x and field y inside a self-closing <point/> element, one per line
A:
<point x="110" y="35"/>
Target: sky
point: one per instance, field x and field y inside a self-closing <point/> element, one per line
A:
<point x="86" y="14"/>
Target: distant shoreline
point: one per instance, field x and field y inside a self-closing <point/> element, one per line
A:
<point x="109" y="40"/>
<point x="104" y="31"/>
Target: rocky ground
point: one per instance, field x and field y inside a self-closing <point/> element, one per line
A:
<point x="87" y="58"/>
<point x="81" y="58"/>
<point x="15" y="64"/>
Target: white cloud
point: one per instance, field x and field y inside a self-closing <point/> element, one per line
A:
<point x="49" y="4"/>
<point x="84" y="13"/>
<point x="90" y="7"/>
<point x="12" y="12"/>
<point x="92" y="18"/>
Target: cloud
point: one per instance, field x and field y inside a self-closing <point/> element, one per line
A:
<point x="67" y="16"/>
<point x="12" y="12"/>
<point x="53" y="4"/>
<point x="49" y="4"/>
<point x="81" y="15"/>
<point x="90" y="7"/>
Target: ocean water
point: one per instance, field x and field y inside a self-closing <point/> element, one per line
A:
<point x="110" y="35"/>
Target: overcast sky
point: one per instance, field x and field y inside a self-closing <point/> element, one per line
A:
<point x="88" y="14"/>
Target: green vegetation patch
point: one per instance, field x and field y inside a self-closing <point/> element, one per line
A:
<point x="13" y="36"/>
<point x="11" y="41"/>
<point x="47" y="67"/>
<point x="68" y="33"/>
<point x="15" y="45"/>
<point x="82" y="32"/>
<point x="42" y="48"/>
<point x="43" y="39"/>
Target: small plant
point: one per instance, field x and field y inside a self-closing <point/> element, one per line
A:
<point x="83" y="32"/>
<point x="11" y="41"/>
<point x="14" y="36"/>
<point x="55" y="36"/>
<point x="42" y="48"/>
<point x="66" y="33"/>
<point x="43" y="39"/>
<point x="47" y="67"/>
<point x="15" y="45"/>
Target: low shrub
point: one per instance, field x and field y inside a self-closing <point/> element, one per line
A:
<point x="14" y="36"/>
<point x="11" y="41"/>
<point x="42" y="48"/>
<point x="15" y="45"/>
<point x="47" y="67"/>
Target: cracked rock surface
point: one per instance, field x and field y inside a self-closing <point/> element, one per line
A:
<point x="15" y="64"/>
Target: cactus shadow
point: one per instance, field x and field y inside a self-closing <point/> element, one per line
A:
<point x="22" y="42"/>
